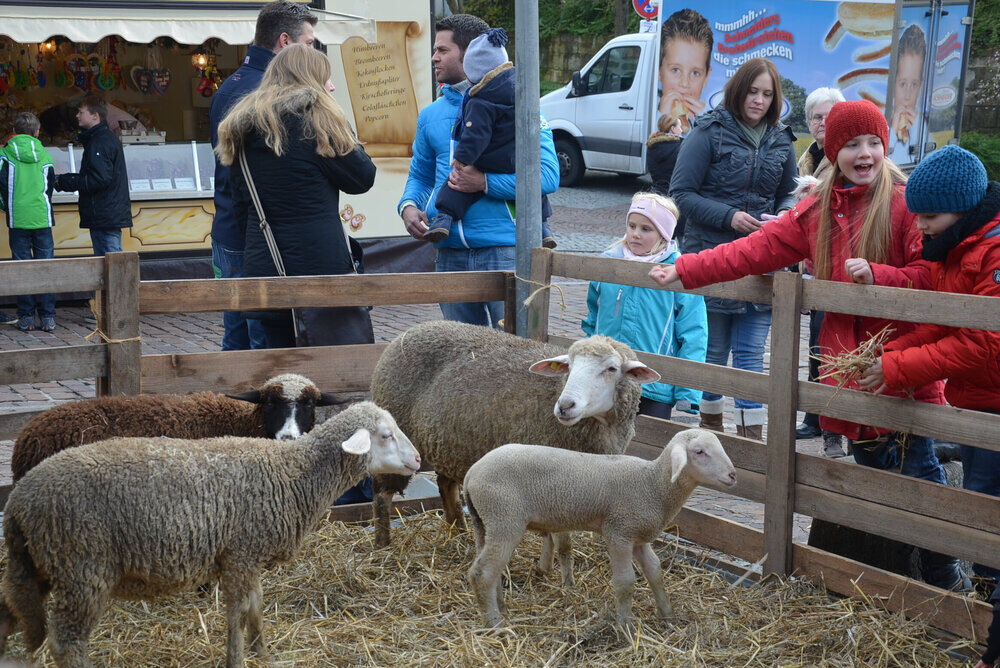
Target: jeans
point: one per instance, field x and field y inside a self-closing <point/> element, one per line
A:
<point x="981" y="473"/>
<point x="33" y="244"/>
<point x="915" y="458"/>
<point x="106" y="240"/>
<point x="239" y="333"/>
<point x="744" y="335"/>
<point x="493" y="258"/>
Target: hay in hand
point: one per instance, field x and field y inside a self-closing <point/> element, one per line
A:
<point x="342" y="602"/>
<point x="848" y="366"/>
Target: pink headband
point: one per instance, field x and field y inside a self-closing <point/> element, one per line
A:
<point x="658" y="215"/>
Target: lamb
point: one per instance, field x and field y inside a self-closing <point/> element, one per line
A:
<point x="461" y="390"/>
<point x="627" y="500"/>
<point x="136" y="518"/>
<point x="283" y="408"/>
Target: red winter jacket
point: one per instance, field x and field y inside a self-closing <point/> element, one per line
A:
<point x="968" y="358"/>
<point x="792" y="238"/>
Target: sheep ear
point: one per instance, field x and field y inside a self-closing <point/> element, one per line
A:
<point x="253" y="396"/>
<point x="330" y="399"/>
<point x="554" y="366"/>
<point x="640" y="372"/>
<point x="678" y="460"/>
<point x="359" y="443"/>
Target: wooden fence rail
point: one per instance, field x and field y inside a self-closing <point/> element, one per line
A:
<point x="954" y="521"/>
<point x="949" y="520"/>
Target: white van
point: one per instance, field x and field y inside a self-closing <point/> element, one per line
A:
<point x="601" y="119"/>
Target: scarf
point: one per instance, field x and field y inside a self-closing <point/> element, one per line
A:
<point x="652" y="257"/>
<point x="937" y="249"/>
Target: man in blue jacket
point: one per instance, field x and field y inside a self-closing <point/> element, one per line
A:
<point x="484" y="239"/>
<point x="278" y="24"/>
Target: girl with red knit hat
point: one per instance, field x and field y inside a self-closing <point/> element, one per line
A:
<point x="854" y="227"/>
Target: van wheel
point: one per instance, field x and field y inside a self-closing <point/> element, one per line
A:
<point x="570" y="163"/>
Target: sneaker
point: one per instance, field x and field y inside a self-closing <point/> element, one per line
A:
<point x="26" y="323"/>
<point x="48" y="323"/>
<point x="439" y="229"/>
<point x="9" y="320"/>
<point x="833" y="445"/>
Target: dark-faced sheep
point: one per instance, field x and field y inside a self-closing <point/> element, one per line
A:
<point x="137" y="518"/>
<point x="283" y="408"/>
<point x="461" y="390"/>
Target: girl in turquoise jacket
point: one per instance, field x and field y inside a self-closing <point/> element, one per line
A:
<point x="650" y="320"/>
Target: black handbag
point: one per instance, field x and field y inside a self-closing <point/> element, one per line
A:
<point x="324" y="326"/>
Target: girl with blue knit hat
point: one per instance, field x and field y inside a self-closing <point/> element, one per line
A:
<point x="483" y="134"/>
<point x="958" y="212"/>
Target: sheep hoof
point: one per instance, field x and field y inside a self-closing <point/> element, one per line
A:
<point x="493" y="621"/>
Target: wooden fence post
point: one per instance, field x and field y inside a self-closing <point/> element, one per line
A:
<point x="783" y="400"/>
<point x="119" y="311"/>
<point x="538" y="310"/>
<point x="510" y="303"/>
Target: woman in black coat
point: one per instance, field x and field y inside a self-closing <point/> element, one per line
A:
<point x="301" y="153"/>
<point x="661" y="152"/>
<point x="661" y="156"/>
<point x="736" y="170"/>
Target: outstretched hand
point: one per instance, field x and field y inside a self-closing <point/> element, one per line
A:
<point x="860" y="270"/>
<point x="664" y="273"/>
<point x="744" y="223"/>
<point x="873" y="378"/>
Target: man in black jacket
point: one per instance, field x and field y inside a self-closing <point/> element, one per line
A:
<point x="102" y="183"/>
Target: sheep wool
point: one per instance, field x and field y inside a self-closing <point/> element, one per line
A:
<point x="461" y="390"/>
<point x="141" y="517"/>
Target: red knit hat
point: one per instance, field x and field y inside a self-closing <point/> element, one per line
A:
<point x="848" y="120"/>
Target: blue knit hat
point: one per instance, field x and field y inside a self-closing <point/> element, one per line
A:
<point x="949" y="180"/>
<point x="485" y="53"/>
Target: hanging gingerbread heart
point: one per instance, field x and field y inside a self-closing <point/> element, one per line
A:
<point x="161" y="81"/>
<point x="141" y="79"/>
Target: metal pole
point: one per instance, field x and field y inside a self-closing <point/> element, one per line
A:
<point x="528" y="144"/>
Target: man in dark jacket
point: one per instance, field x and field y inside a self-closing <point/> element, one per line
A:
<point x="102" y="182"/>
<point x="278" y="24"/>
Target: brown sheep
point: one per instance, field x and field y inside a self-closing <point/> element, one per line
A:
<point x="283" y="408"/>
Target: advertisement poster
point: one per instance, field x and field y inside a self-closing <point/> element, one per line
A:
<point x="928" y="76"/>
<point x="814" y="43"/>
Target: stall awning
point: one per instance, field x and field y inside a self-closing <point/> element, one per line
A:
<point x="188" y="26"/>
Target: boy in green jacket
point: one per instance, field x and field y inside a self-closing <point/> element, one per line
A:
<point x="27" y="178"/>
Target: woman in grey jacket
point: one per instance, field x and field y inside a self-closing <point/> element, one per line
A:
<point x="736" y="170"/>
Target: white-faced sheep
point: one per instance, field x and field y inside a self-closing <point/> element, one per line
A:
<point x="461" y="390"/>
<point x="628" y="500"/>
<point x="141" y="517"/>
<point x="283" y="408"/>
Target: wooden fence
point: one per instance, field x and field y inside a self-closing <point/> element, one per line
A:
<point x="944" y="519"/>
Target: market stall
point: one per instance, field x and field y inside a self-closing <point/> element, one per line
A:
<point x="158" y="69"/>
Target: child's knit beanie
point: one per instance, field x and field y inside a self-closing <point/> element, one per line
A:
<point x="485" y="53"/>
<point x="848" y="120"/>
<point x="660" y="216"/>
<point x="949" y="180"/>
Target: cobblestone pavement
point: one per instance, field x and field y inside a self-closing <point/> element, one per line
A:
<point x="585" y="220"/>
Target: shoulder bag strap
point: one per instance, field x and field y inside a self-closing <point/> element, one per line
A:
<point x="265" y="228"/>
